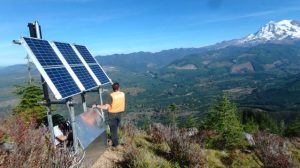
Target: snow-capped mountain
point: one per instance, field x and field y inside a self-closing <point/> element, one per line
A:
<point x="272" y="32"/>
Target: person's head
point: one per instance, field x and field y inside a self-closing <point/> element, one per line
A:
<point x="115" y="86"/>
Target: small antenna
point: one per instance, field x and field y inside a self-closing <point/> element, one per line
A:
<point x="29" y="68"/>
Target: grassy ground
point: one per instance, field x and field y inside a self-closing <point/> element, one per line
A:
<point x="160" y="148"/>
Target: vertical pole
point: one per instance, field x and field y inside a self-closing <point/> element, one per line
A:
<point x="83" y="101"/>
<point x="101" y="100"/>
<point x="50" y="124"/>
<point x="100" y="94"/>
<point x="36" y="32"/>
<point x="29" y="69"/>
<point x="70" y="104"/>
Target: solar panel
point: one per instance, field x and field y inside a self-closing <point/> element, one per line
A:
<point x="93" y="64"/>
<point x="68" y="53"/>
<point x="63" y="81"/>
<point x="76" y="65"/>
<point x="59" y="79"/>
<point x="84" y="76"/>
<point x="86" y="55"/>
<point x="99" y="73"/>
<point x="43" y="52"/>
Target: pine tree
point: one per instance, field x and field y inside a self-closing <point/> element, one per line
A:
<point x="28" y="107"/>
<point x="223" y="119"/>
<point x="172" y="114"/>
<point x="282" y="128"/>
<point x="190" y="122"/>
<point x="293" y="129"/>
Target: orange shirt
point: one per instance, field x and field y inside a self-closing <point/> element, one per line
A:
<point x="117" y="103"/>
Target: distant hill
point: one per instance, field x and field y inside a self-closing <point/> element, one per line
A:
<point x="141" y="61"/>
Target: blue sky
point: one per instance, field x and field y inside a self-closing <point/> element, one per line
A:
<point x="124" y="26"/>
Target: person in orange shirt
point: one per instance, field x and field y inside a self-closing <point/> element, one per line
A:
<point x="115" y="108"/>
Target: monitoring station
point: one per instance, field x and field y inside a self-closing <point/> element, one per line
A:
<point x="69" y="70"/>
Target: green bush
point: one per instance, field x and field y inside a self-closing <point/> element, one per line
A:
<point x="28" y="107"/>
<point x="223" y="119"/>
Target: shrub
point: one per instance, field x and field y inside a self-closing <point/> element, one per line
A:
<point x="272" y="151"/>
<point x="159" y="133"/>
<point x="184" y="150"/>
<point x="31" y="146"/>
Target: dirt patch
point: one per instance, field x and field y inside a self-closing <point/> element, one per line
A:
<point x="242" y="68"/>
<point x="110" y="158"/>
<point x="110" y="68"/>
<point x="185" y="67"/>
<point x="236" y="93"/>
<point x="133" y="91"/>
<point x="273" y="65"/>
<point x="206" y="62"/>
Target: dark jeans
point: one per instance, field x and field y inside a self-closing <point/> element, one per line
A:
<point x="114" y="120"/>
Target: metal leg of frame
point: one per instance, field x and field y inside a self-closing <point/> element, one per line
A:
<point x="50" y="124"/>
<point x="83" y="102"/>
<point x="73" y="123"/>
<point x="101" y="100"/>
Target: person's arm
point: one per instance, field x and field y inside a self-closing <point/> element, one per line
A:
<point x="58" y="134"/>
<point x="103" y="107"/>
<point x="61" y="137"/>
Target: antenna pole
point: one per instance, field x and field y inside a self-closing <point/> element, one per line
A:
<point x="36" y="32"/>
<point x="29" y="69"/>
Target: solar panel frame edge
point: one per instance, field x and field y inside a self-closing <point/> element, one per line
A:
<point x="102" y="84"/>
<point x="40" y="68"/>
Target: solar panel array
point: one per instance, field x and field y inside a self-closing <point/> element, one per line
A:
<point x="55" y="73"/>
<point x="65" y="71"/>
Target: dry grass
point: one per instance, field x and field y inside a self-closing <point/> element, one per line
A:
<point x="30" y="146"/>
<point x="171" y="146"/>
<point x="272" y="150"/>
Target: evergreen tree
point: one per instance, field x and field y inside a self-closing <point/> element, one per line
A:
<point x="293" y="129"/>
<point x="282" y="127"/>
<point x="28" y="107"/>
<point x="251" y="126"/>
<point x="146" y="122"/>
<point x="260" y="119"/>
<point x="190" y="122"/>
<point x="223" y="119"/>
<point x="172" y="114"/>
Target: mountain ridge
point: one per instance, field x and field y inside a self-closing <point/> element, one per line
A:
<point x="284" y="31"/>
